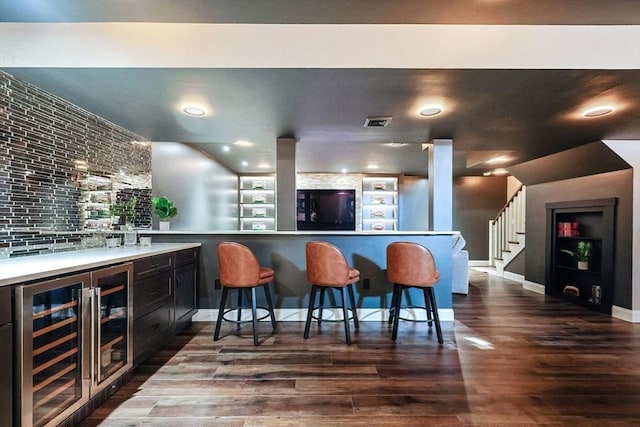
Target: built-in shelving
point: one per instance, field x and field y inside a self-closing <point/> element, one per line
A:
<point x="96" y="197"/>
<point x="257" y="203"/>
<point x="379" y="203"/>
<point x="568" y="224"/>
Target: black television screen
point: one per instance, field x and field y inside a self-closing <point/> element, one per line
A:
<point x="326" y="209"/>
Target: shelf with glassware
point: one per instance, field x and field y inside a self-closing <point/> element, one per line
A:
<point x="379" y="203"/>
<point x="257" y="203"/>
<point x="580" y="252"/>
<point x="96" y="197"/>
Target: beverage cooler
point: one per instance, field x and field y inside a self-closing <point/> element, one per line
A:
<point x="74" y="340"/>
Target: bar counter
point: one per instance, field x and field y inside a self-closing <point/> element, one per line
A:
<point x="284" y="251"/>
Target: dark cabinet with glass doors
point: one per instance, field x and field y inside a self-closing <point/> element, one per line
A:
<point x="73" y="340"/>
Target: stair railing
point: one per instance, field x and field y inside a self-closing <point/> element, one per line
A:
<point x="506" y="226"/>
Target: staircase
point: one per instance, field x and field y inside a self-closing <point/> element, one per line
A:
<point x="506" y="232"/>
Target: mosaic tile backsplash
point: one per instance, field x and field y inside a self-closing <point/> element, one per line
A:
<point x="48" y="148"/>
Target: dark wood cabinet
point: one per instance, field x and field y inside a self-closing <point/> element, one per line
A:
<point x="185" y="288"/>
<point x="164" y="299"/>
<point x="152" y="304"/>
<point x="6" y="357"/>
<point x="574" y="224"/>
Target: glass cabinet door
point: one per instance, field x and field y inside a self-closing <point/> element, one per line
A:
<point x="53" y="366"/>
<point x="112" y="319"/>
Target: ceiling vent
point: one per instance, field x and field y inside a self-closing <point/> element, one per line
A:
<point x="377" y="122"/>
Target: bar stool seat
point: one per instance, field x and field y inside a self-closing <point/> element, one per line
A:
<point x="327" y="269"/>
<point x="410" y="265"/>
<point x="239" y="269"/>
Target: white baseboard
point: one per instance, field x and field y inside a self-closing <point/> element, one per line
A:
<point x="625" y="314"/>
<point x="513" y="276"/>
<point x="479" y="263"/>
<point x="533" y="286"/>
<point x="300" y="314"/>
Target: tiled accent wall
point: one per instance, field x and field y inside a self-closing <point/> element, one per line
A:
<point x="47" y="146"/>
<point x="334" y="181"/>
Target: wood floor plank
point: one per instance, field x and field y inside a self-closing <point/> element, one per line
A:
<point x="511" y="357"/>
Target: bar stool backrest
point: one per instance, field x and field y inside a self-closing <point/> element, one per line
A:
<point x="237" y="265"/>
<point x="326" y="265"/>
<point x="412" y="264"/>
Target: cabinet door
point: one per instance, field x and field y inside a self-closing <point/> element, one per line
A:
<point x="185" y="295"/>
<point x="6" y="374"/>
<point x="113" y="323"/>
<point x="53" y="349"/>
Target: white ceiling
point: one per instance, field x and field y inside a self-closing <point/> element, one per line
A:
<point x="506" y="89"/>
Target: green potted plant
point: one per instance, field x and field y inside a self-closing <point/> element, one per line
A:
<point x="582" y="253"/>
<point x="125" y="211"/>
<point x="164" y="209"/>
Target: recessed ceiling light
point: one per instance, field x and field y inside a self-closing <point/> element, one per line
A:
<point x="396" y="144"/>
<point x="226" y="148"/>
<point x="500" y="172"/>
<point x="344" y="170"/>
<point x="431" y="110"/>
<point x="598" y="111"/>
<point x="372" y="166"/>
<point x="486" y="173"/>
<point x="264" y="165"/>
<point x="243" y="143"/>
<point x="499" y="159"/>
<point x="245" y="163"/>
<point x="194" y="110"/>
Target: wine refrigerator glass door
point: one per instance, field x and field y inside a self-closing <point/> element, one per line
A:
<point x="53" y="349"/>
<point x="112" y="324"/>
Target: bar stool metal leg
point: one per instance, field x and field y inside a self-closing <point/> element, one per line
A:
<point x="394" y="295"/>
<point x="427" y="306"/>
<point x="345" y="313"/>
<point x="267" y="294"/>
<point x="240" y="290"/>
<point x="312" y="300"/>
<point x="397" y="288"/>
<point x="320" y="305"/>
<point x="354" y="308"/>
<point x="436" y="317"/>
<point x="223" y="303"/>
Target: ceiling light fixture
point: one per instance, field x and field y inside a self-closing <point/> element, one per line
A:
<point x="243" y="143"/>
<point x="499" y="159"/>
<point x="245" y="163"/>
<point x="264" y="166"/>
<point x="194" y="110"/>
<point x="500" y="172"/>
<point x="598" y="111"/>
<point x="226" y="148"/>
<point x="431" y="110"/>
<point x="372" y="166"/>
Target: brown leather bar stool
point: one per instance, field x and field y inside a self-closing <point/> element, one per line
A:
<point x="327" y="269"/>
<point x="410" y="265"/>
<point x="239" y="269"/>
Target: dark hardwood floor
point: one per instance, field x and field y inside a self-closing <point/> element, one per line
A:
<point x="512" y="357"/>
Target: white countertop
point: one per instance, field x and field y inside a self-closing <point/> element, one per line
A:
<point x="24" y="269"/>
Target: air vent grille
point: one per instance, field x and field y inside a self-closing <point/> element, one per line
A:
<point x="377" y="122"/>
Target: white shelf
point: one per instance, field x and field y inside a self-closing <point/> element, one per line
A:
<point x="379" y="203"/>
<point x="257" y="192"/>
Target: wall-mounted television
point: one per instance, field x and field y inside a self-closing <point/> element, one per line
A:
<point x="326" y="209"/>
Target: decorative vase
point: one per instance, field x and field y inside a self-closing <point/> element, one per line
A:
<point x="164" y="225"/>
<point x="583" y="265"/>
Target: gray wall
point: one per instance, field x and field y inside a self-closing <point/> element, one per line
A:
<point x="612" y="184"/>
<point x="413" y="207"/>
<point x="476" y="200"/>
<point x="205" y="193"/>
